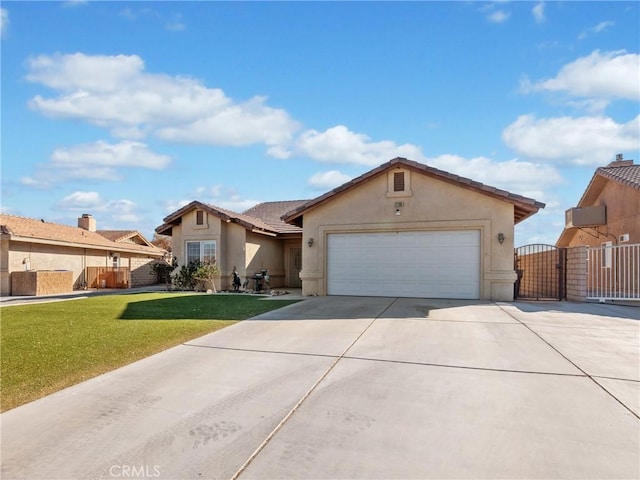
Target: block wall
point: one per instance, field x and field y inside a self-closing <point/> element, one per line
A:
<point x="577" y="274"/>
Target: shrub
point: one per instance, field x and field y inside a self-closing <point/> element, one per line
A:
<point x="195" y="274"/>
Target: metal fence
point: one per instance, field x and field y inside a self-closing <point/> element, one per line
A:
<point x="613" y="272"/>
<point x="541" y="271"/>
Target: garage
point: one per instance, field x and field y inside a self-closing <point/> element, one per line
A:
<point x="427" y="264"/>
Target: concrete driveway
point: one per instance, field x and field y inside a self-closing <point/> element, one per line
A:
<point x="343" y="387"/>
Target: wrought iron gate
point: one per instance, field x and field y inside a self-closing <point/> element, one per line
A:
<point x="541" y="272"/>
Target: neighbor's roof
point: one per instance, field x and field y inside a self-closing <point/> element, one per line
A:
<point x="249" y="221"/>
<point x="624" y="172"/>
<point x="523" y="207"/>
<point x="41" y="231"/>
<point x="129" y="236"/>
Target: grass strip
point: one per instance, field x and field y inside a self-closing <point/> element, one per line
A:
<point x="50" y="346"/>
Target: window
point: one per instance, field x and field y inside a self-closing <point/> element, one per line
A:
<point x="398" y="182"/>
<point x="199" y="217"/>
<point x="204" y="251"/>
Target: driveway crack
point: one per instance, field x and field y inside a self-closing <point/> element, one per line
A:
<point x="590" y="377"/>
<point x="299" y="403"/>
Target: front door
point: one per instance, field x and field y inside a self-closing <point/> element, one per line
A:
<point x="295" y="265"/>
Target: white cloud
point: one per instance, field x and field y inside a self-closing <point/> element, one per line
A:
<point x="601" y="27"/>
<point x="117" y="211"/>
<point x="102" y="154"/>
<point x="223" y="197"/>
<point x="340" y="145"/>
<point x="604" y="76"/>
<point x="116" y="93"/>
<point x="328" y="180"/>
<point x="567" y="140"/>
<point x="236" y="125"/>
<point x="498" y="16"/>
<point x="4" y="22"/>
<point x="521" y="177"/>
<point x="538" y="12"/>
<point x="97" y="161"/>
<point x="81" y="200"/>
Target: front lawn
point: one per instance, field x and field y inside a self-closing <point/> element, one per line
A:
<point x="49" y="346"/>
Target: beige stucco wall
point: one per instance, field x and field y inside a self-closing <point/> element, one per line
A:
<point x="623" y="216"/>
<point x="22" y="256"/>
<point x="237" y="247"/>
<point x="264" y="252"/>
<point x="432" y="205"/>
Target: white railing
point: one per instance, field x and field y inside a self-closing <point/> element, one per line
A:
<point x="613" y="272"/>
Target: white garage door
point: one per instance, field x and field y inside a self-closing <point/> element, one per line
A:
<point x="442" y="264"/>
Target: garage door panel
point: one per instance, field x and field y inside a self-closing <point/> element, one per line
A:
<point x="444" y="264"/>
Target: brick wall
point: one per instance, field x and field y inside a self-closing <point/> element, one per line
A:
<point x="577" y="274"/>
<point x="141" y="273"/>
<point x="41" y="282"/>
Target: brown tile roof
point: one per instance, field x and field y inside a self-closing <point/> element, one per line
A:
<point x="626" y="174"/>
<point x="523" y="207"/>
<point x="249" y="221"/>
<point x="130" y="236"/>
<point x="30" y="229"/>
<point x="271" y="213"/>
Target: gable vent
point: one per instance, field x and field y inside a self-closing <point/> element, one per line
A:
<point x="398" y="182"/>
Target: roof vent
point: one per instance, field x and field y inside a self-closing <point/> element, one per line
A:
<point x="619" y="157"/>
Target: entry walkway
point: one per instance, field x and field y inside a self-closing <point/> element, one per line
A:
<point x="348" y="387"/>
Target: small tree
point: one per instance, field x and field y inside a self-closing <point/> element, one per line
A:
<point x="206" y="273"/>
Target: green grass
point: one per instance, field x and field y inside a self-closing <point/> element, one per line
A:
<point x="49" y="346"/>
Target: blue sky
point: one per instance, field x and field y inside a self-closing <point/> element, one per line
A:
<point x="129" y="110"/>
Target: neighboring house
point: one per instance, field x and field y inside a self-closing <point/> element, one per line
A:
<point x="609" y="210"/>
<point x="95" y="258"/>
<point x="409" y="230"/>
<point x="250" y="242"/>
<point x="402" y="229"/>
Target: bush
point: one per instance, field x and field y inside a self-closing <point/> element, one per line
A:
<point x="194" y="273"/>
<point x="163" y="270"/>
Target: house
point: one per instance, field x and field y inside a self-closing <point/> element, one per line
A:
<point x="401" y="229"/>
<point x="609" y="210"/>
<point x="250" y="242"/>
<point x="91" y="258"/>
<point x="409" y="230"/>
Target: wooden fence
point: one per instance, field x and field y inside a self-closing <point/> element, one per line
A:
<point x="108" y="277"/>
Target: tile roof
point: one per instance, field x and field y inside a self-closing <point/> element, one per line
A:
<point x="271" y="213"/>
<point x="625" y="174"/>
<point x="130" y="236"/>
<point x="523" y="207"/>
<point x="54" y="233"/>
<point x="249" y="220"/>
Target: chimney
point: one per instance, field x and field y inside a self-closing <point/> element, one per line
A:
<point x="620" y="162"/>
<point x="87" y="222"/>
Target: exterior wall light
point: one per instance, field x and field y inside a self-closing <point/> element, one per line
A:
<point x="310" y="242"/>
<point x="501" y="238"/>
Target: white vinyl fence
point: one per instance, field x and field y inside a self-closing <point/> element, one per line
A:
<point x="613" y="272"/>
